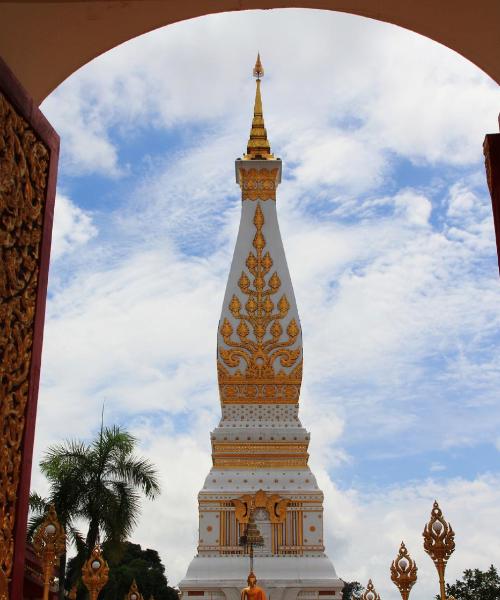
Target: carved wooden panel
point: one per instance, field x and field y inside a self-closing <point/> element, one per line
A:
<point x="27" y="147"/>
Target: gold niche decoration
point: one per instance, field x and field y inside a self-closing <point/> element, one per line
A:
<point x="439" y="543"/>
<point x="274" y="504"/>
<point x="258" y="184"/>
<point x="262" y="343"/>
<point x="404" y="572"/>
<point x="95" y="573"/>
<point x="49" y="542"/>
<point x="24" y="162"/>
<point x="370" y="593"/>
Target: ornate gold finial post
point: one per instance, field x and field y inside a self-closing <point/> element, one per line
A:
<point x="49" y="543"/>
<point x="133" y="593"/>
<point x="404" y="572"/>
<point x="439" y="543"/>
<point x="95" y="573"/>
<point x="370" y="593"/>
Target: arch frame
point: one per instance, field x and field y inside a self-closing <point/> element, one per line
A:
<point x="45" y="42"/>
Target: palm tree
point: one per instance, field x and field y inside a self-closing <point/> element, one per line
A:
<point x="99" y="483"/>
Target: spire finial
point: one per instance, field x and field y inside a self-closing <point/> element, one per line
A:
<point x="258" y="70"/>
<point x="258" y="147"/>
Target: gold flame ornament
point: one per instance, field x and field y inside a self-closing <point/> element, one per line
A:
<point x="49" y="543"/>
<point x="133" y="593"/>
<point x="258" y="70"/>
<point x="439" y="543"/>
<point x="404" y="572"/>
<point x="95" y="573"/>
<point x="370" y="593"/>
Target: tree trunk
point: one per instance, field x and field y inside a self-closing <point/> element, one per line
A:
<point x="62" y="575"/>
<point x="92" y="535"/>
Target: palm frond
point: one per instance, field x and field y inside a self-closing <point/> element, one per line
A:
<point x="37" y="504"/>
<point x="141" y="473"/>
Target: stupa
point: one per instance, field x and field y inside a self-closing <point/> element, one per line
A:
<point x="260" y="469"/>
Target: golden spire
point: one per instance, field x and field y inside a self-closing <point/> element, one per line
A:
<point x="258" y="147"/>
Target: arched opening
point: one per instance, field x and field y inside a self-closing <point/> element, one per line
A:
<point x="402" y="203"/>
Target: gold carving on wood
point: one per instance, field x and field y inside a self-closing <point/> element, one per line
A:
<point x="263" y="342"/>
<point x="24" y="161"/>
<point x="258" y="184"/>
<point x="273" y="503"/>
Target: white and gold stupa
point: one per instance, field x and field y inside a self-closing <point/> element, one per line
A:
<point x="259" y="449"/>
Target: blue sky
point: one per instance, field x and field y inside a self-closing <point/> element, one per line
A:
<point x="387" y="225"/>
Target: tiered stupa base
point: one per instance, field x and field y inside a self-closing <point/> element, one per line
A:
<point x="282" y="577"/>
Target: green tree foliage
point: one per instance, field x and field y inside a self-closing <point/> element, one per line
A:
<point x="144" y="566"/>
<point x="352" y="590"/>
<point x="476" y="585"/>
<point x="98" y="483"/>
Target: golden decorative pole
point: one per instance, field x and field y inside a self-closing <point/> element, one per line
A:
<point x="95" y="573"/>
<point x="439" y="543"/>
<point x="49" y="543"/>
<point x="370" y="593"/>
<point x="133" y="593"/>
<point x="404" y="572"/>
<point x="251" y="538"/>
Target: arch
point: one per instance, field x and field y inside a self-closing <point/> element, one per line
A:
<point x="45" y="42"/>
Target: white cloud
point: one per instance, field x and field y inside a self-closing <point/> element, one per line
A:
<point x="415" y="207"/>
<point x="461" y="200"/>
<point x="335" y="158"/>
<point x="436" y="467"/>
<point x="73" y="227"/>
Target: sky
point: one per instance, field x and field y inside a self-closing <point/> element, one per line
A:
<point x="387" y="226"/>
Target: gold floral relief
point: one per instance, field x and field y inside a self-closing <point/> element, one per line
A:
<point x="261" y="343"/>
<point x="258" y="184"/>
<point x="24" y="163"/>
